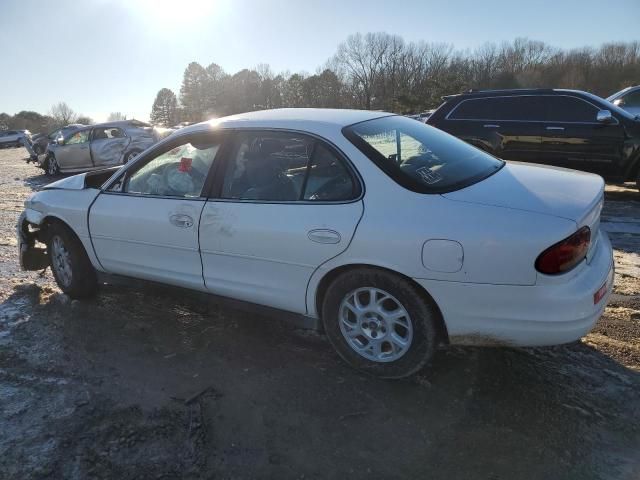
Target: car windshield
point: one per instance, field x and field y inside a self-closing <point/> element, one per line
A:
<point x="419" y="157"/>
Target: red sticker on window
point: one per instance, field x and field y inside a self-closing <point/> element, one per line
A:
<point x="185" y="164"/>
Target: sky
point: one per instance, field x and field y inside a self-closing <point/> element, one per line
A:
<point x="102" y="56"/>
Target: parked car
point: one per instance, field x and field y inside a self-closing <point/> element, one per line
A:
<point x="397" y="235"/>
<point x="628" y="99"/>
<point x="98" y="146"/>
<point x="13" y="138"/>
<point x="565" y="128"/>
<point x="41" y="141"/>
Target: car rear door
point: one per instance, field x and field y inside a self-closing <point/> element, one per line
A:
<point x="145" y="223"/>
<point x="507" y="126"/>
<point x="572" y="138"/>
<point x="286" y="204"/>
<point x="108" y="145"/>
<point x="74" y="153"/>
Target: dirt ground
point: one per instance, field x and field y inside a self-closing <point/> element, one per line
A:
<point x="151" y="383"/>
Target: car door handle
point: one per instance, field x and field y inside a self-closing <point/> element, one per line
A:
<point x="555" y="128"/>
<point x="324" y="235"/>
<point x="491" y="125"/>
<point x="182" y="221"/>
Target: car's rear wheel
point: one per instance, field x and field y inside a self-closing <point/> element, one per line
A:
<point x="52" y="167"/>
<point x="70" y="264"/>
<point x="380" y="322"/>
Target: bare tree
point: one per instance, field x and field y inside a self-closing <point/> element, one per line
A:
<point x="116" y="116"/>
<point x="62" y="114"/>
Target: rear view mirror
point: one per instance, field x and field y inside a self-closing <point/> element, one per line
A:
<point x="604" y="116"/>
<point x="618" y="102"/>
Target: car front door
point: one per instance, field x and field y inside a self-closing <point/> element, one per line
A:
<point x="145" y="223"/>
<point x="74" y="153"/>
<point x="108" y="145"/>
<point x="507" y="126"/>
<point x="286" y="204"/>
<point x="573" y="138"/>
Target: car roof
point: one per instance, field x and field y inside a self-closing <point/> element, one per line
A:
<point x="294" y="118"/>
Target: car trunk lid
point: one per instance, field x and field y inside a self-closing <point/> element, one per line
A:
<point x="541" y="189"/>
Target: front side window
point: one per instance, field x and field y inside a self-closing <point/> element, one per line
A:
<point x="179" y="172"/>
<point x="78" y="137"/>
<point x="569" y="109"/>
<point x="419" y="157"/>
<point x="285" y="167"/>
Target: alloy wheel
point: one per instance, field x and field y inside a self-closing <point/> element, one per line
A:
<point x="61" y="261"/>
<point x="375" y="324"/>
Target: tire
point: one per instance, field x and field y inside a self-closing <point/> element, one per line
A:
<point x="354" y="336"/>
<point x="130" y="156"/>
<point x="70" y="264"/>
<point x="51" y="166"/>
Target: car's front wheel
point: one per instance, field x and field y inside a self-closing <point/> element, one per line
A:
<point x="70" y="264"/>
<point x="52" y="168"/>
<point x="380" y="322"/>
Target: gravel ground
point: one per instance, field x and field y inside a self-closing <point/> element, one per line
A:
<point x="153" y="383"/>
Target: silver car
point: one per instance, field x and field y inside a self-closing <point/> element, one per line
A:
<point x="99" y="146"/>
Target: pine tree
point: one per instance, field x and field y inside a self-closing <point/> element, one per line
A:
<point x="164" y="108"/>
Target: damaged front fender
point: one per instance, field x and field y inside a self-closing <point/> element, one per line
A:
<point x="32" y="257"/>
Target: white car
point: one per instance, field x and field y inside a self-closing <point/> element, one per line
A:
<point x="396" y="235"/>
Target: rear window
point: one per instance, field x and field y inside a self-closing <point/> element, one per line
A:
<point x="419" y="157"/>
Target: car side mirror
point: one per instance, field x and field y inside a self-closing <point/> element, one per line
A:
<point x="604" y="116"/>
<point x="60" y="141"/>
<point x="618" y="102"/>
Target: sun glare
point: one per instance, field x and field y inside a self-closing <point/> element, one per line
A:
<point x="163" y="13"/>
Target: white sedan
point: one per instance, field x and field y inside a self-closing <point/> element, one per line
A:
<point x="398" y="236"/>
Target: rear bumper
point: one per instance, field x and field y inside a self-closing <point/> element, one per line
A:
<point x="544" y="314"/>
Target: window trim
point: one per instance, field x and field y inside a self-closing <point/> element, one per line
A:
<point x="216" y="190"/>
<point x="598" y="108"/>
<point x="159" y="149"/>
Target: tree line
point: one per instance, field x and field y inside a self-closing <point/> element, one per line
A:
<point x="58" y="116"/>
<point x="376" y="71"/>
<point x="381" y="71"/>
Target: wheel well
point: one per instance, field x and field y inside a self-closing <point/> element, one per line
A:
<point x="328" y="279"/>
<point x="47" y="223"/>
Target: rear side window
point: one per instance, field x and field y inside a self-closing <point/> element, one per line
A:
<point x="107" y="133"/>
<point x="512" y="108"/>
<point x="419" y="157"/>
<point x="285" y="167"/>
<point x="568" y="109"/>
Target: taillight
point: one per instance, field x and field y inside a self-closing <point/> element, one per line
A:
<point x="565" y="255"/>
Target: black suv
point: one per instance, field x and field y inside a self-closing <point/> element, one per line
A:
<point x="565" y="128"/>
